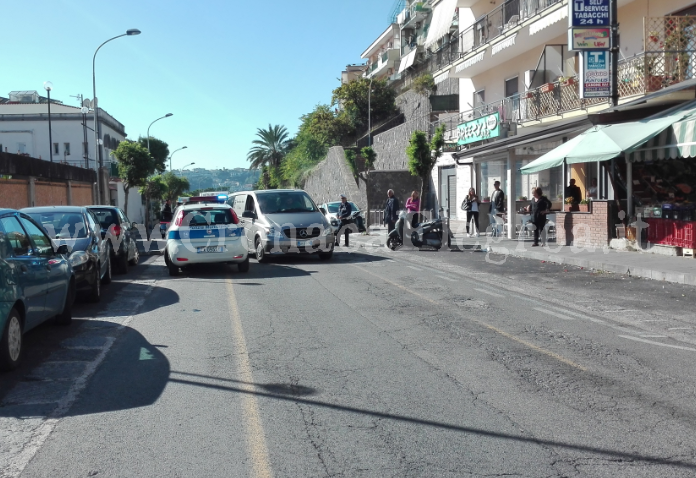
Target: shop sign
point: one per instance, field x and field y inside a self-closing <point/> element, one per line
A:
<point x="596" y="75"/>
<point x="585" y="13"/>
<point x="450" y="148"/>
<point x="486" y="127"/>
<point x="589" y="38"/>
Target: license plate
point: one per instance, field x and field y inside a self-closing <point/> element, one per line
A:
<point x="206" y="249"/>
<point x="304" y="243"/>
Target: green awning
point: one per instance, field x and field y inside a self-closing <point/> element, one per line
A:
<point x="679" y="141"/>
<point x="602" y="143"/>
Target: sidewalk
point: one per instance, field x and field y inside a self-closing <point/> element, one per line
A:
<point x="680" y="270"/>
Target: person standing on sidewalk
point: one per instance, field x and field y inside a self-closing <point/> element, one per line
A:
<point x="391" y="211"/>
<point x="471" y="206"/>
<point x="344" y="212"/>
<point x="539" y="207"/>
<point x="413" y="206"/>
<point x="497" y="207"/>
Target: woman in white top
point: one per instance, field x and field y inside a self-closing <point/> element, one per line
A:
<point x="471" y="206"/>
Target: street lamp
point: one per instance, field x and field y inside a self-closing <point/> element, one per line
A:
<point x="170" y="156"/>
<point x="97" y="157"/>
<point x="48" y="86"/>
<point x="369" y="115"/>
<point x="181" y="171"/>
<point x="148" y="129"/>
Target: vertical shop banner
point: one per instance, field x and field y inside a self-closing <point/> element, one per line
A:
<point x="589" y="22"/>
<point x="595" y="75"/>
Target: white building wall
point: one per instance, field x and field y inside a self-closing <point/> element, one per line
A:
<point x="136" y="211"/>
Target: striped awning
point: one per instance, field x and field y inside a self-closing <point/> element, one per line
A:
<point x="678" y="141"/>
<point x="443" y="14"/>
<point x="407" y="61"/>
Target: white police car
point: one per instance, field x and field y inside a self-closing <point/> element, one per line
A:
<point x="205" y="230"/>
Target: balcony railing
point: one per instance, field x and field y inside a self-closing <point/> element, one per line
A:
<point x="644" y="73"/>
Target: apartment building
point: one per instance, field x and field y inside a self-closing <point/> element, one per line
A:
<point x="520" y="91"/>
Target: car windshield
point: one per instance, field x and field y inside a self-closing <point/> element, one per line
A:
<point x="333" y="206"/>
<point x="208" y="216"/>
<point x="62" y="225"/>
<point x="285" y="202"/>
<point x="106" y="217"/>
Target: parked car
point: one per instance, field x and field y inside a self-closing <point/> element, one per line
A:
<point x="281" y="221"/>
<point x="36" y="283"/>
<point x="121" y="233"/>
<point x="77" y="227"/>
<point x="330" y="210"/>
<point x="205" y="231"/>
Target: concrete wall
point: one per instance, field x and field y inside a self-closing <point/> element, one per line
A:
<point x="332" y="177"/>
<point x="391" y="145"/>
<point x="82" y="194"/>
<point x="14" y="193"/>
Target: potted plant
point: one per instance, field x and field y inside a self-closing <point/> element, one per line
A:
<point x="570" y="205"/>
<point x="584" y="206"/>
<point x="529" y="95"/>
<point x="567" y="80"/>
<point x="654" y="36"/>
<point x="522" y="198"/>
<point x="546" y="88"/>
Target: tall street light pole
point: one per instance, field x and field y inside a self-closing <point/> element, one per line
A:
<point x="148" y="129"/>
<point x="48" y="86"/>
<point x="170" y="156"/>
<point x="369" y="114"/>
<point x="97" y="156"/>
<point x="181" y="171"/>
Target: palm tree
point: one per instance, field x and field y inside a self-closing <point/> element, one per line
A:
<point x="270" y="148"/>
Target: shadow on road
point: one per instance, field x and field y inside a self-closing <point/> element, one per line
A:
<point x="267" y="391"/>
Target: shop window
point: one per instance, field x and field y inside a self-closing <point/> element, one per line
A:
<point x="492" y="171"/>
<point x="66" y="149"/>
<point x="550" y="181"/>
<point x="56" y="148"/>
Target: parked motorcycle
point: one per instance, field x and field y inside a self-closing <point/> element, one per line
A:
<point x="429" y="233"/>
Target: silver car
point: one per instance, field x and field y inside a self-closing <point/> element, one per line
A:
<point x="281" y="221"/>
<point x="330" y="210"/>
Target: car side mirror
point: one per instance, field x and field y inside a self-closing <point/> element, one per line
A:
<point x="63" y="249"/>
<point x="323" y="211"/>
<point x="249" y="214"/>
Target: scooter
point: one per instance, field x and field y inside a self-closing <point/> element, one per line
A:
<point x="428" y="233"/>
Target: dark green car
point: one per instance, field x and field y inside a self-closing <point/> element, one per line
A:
<point x="36" y="283"/>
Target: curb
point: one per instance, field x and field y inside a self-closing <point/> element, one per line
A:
<point x="645" y="273"/>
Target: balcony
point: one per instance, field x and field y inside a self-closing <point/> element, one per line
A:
<point x="639" y="75"/>
<point x="386" y="60"/>
<point x="413" y="14"/>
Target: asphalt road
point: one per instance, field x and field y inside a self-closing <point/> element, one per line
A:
<point x="375" y="364"/>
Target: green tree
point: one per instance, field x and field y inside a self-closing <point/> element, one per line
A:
<point x="270" y="148"/>
<point x="174" y="185"/>
<point x="424" y="84"/>
<point x="135" y="165"/>
<point x="352" y="98"/>
<point x="422" y="156"/>
<point x="159" y="151"/>
<point x="153" y="187"/>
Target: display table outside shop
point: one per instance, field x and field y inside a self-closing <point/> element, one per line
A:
<point x="671" y="232"/>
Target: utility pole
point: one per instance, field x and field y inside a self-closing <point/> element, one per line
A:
<point x="615" y="52"/>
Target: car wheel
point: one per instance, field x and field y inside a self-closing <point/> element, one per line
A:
<point x="123" y="263"/>
<point x="325" y="256"/>
<point x="136" y="257"/>
<point x="173" y="270"/>
<point x="261" y="255"/>
<point x="244" y="266"/>
<point x="107" y="275"/>
<point x="95" y="293"/>
<point x="65" y="317"/>
<point x="11" y="342"/>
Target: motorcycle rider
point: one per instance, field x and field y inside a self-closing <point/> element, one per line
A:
<point x="344" y="212"/>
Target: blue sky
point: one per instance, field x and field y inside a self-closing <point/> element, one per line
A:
<point x="223" y="68"/>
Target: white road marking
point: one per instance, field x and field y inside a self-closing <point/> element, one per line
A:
<point x="12" y="466"/>
<point x="500" y="296"/>
<point x="555" y="314"/>
<point x="415" y="268"/>
<point x="657" y="343"/>
<point x="447" y="278"/>
<point x="680" y="328"/>
<point x="653" y="336"/>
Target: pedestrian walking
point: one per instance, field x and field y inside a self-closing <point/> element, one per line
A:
<point x="471" y="206"/>
<point x="166" y="211"/>
<point x="539" y="207"/>
<point x="391" y="211"/>
<point x="344" y="212"/>
<point x="413" y="207"/>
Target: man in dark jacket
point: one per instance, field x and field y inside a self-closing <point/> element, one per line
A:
<point x="344" y="212"/>
<point x="166" y="212"/>
<point x="391" y="211"/>
<point x="574" y="192"/>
